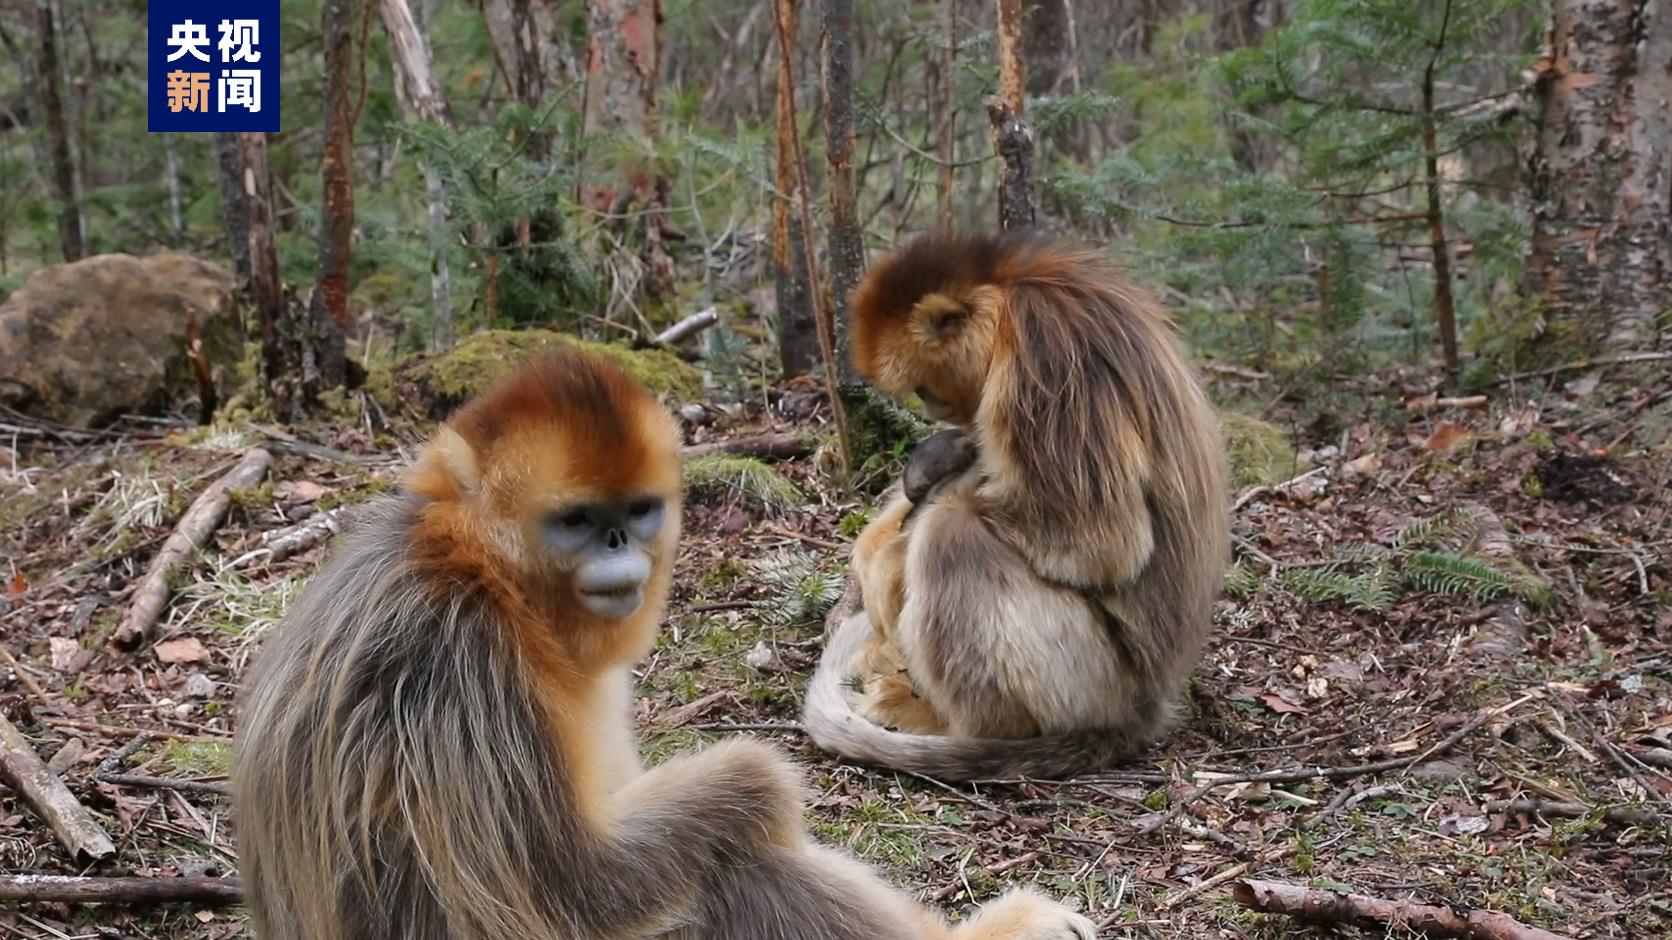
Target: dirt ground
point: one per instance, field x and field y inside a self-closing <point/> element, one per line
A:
<point x="1441" y="668"/>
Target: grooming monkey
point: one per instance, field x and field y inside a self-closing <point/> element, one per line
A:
<point x="1037" y="597"/>
<point x="436" y="742"/>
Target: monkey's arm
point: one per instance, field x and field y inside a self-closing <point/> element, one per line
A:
<point x="937" y="457"/>
<point x="678" y="827"/>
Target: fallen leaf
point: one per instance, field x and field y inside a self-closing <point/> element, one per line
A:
<point x="186" y="649"/>
<point x="18" y="587"/>
<point x="1446" y="435"/>
<point x="299" y="491"/>
<point x="1366" y="466"/>
<point x="1519" y="421"/>
<point x="68" y="657"/>
<point x="1280" y="705"/>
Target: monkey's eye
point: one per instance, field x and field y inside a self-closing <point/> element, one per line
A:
<point x="573" y="519"/>
<point x="643" y="508"/>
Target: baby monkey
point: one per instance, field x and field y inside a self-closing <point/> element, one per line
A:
<point x="437" y="743"/>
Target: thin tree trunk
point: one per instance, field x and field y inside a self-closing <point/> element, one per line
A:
<point x="1445" y="308"/>
<point x="409" y="45"/>
<point x="171" y="169"/>
<point x="63" y="165"/>
<point x="76" y="122"/>
<point x="945" y="148"/>
<point x="622" y="69"/>
<point x="798" y="340"/>
<point x="263" y="258"/>
<point x="804" y="205"/>
<point x="535" y="64"/>
<point x="235" y="212"/>
<point x="324" y="356"/>
<point x="847" y="251"/>
<point x="1012" y="137"/>
<point x="1602" y="201"/>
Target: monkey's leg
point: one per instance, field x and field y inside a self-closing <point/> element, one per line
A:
<point x="818" y="893"/>
<point x="879" y="562"/>
<point x="996" y="651"/>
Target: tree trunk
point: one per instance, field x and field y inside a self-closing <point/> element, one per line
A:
<point x="945" y="146"/>
<point x="1012" y="137"/>
<point x="262" y="255"/>
<point x="63" y="165"/>
<point x="1600" y="178"/>
<point x="1445" y="308"/>
<point x="324" y="358"/>
<point x="622" y="66"/>
<point x="409" y="45"/>
<point x="847" y="250"/>
<point x="235" y="212"/>
<point x="171" y="170"/>
<point x="534" y="61"/>
<point x="1045" y="33"/>
<point x="798" y="340"/>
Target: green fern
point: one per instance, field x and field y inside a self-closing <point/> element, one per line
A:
<point x="745" y="477"/>
<point x="1456" y="575"/>
<point x="1241" y="581"/>
<point x="1372" y="590"/>
<point x="800" y="591"/>
<point x="1432" y="531"/>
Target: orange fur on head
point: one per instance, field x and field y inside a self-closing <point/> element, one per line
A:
<point x="565" y="428"/>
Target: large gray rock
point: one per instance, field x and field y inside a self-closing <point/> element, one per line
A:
<point x="81" y="343"/>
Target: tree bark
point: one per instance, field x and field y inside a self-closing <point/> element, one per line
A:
<point x="409" y="46"/>
<point x="798" y="341"/>
<point x="945" y="144"/>
<point x="74" y="889"/>
<point x="1327" y="906"/>
<point x="1045" y="46"/>
<point x="1445" y="307"/>
<point x="622" y="69"/>
<point x="63" y="164"/>
<point x="847" y="250"/>
<point x="324" y="355"/>
<point x="531" y="56"/>
<point x="277" y="361"/>
<point x="235" y="212"/>
<point x="1012" y="138"/>
<point x="1601" y="183"/>
<point x="21" y="768"/>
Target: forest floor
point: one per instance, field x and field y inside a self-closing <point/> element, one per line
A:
<point x="1460" y="607"/>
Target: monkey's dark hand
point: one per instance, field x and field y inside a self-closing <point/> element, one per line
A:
<point x="939" y="456"/>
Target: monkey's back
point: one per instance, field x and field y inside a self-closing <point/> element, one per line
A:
<point x="375" y="727"/>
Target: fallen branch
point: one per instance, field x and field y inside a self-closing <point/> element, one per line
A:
<point x="1229" y="874"/>
<point x="1434" y="404"/>
<point x="78" y="890"/>
<point x="689" y="327"/>
<point x="1621" y="815"/>
<point x="76" y="829"/>
<point x="199" y="522"/>
<point x="1620" y="360"/>
<point x="284" y="543"/>
<point x="23" y="676"/>
<point x="164" y="783"/>
<point x="784" y="446"/>
<point x="1320" y="904"/>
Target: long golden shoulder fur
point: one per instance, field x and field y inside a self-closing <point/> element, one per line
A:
<point x="1040" y="612"/>
<point x="437" y="741"/>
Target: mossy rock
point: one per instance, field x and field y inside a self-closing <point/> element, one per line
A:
<point x="880" y="429"/>
<point x="1259" y="451"/>
<point x="437" y="383"/>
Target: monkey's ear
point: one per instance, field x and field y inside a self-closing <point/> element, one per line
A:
<point x="448" y="462"/>
<point x="940" y="316"/>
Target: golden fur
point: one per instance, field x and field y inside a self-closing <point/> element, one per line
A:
<point x="1041" y="612"/>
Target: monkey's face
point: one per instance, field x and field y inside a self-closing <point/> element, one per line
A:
<point x="609" y="547"/>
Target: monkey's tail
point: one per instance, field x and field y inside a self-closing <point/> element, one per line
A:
<point x="829" y="719"/>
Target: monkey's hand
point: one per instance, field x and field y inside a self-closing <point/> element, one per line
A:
<point x="1024" y="915"/>
<point x="937" y="457"/>
<point x="735" y="795"/>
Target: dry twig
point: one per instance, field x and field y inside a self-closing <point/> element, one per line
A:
<point x="193" y="530"/>
<point x="71" y="889"/>
<point x="76" y="829"/>
<point x="1319" y="904"/>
